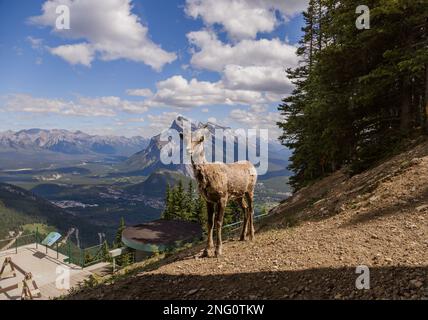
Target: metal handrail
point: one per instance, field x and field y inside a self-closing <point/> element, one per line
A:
<point x="240" y="222"/>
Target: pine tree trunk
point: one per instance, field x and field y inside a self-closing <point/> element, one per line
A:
<point x="426" y="97"/>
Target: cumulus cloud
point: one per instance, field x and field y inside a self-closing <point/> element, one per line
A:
<point x="244" y="19"/>
<point x="110" y="30"/>
<point x="252" y="72"/>
<point x="252" y="65"/>
<point x="82" y="106"/>
<point x="212" y="54"/>
<point x="180" y="93"/>
<point x="257" y="78"/>
<point x="82" y="53"/>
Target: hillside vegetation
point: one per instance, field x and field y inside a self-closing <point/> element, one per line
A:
<point x="19" y="207"/>
<point x="310" y="245"/>
<point x="11" y="220"/>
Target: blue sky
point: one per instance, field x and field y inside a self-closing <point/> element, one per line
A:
<point x="129" y="67"/>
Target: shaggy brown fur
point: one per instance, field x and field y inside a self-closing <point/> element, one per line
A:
<point x="220" y="182"/>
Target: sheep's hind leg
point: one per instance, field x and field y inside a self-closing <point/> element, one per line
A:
<point x="210" y="224"/>
<point x="244" y="208"/>
<point x="221" y="206"/>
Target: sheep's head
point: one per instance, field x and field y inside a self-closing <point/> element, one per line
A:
<point x="194" y="144"/>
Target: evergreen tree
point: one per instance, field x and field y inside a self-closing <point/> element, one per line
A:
<point x="168" y="213"/>
<point x="358" y="93"/>
<point x="118" y="238"/>
<point x="124" y="259"/>
<point x="189" y="202"/>
<point x="183" y="205"/>
<point x="200" y="211"/>
<point x="232" y="213"/>
<point x="179" y="201"/>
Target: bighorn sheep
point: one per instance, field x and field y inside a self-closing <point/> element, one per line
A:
<point x="220" y="182"/>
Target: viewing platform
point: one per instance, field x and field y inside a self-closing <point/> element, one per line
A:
<point x="160" y="235"/>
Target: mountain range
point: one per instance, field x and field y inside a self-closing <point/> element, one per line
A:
<point x="67" y="142"/>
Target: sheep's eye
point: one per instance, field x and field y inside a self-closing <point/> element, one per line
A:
<point x="202" y="139"/>
<point x="181" y="136"/>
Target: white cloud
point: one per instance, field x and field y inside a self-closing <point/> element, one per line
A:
<point x="81" y="53"/>
<point x="36" y="43"/>
<point x="244" y="19"/>
<point x="212" y="54"/>
<point x="82" y="106"/>
<point x="114" y="103"/>
<point x="110" y="29"/>
<point x="253" y="72"/>
<point x="258" y="108"/>
<point x="134" y="120"/>
<point x="252" y="65"/>
<point x="257" y="118"/>
<point x="139" y="92"/>
<point x="160" y="122"/>
<point x="180" y="93"/>
<point x="257" y="78"/>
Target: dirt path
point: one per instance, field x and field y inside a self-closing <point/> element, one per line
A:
<point x="378" y="219"/>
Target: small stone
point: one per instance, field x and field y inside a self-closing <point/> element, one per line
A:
<point x="416" y="283"/>
<point x="193" y="291"/>
<point x="374" y="199"/>
<point x="422" y="208"/>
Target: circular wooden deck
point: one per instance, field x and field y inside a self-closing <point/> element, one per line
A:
<point x="161" y="235"/>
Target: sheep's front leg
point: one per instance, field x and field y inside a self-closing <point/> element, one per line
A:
<point x="221" y="206"/>
<point x="250" y="219"/>
<point x="210" y="224"/>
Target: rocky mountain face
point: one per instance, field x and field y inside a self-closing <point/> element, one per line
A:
<point x="148" y="160"/>
<point x="67" y="142"/>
